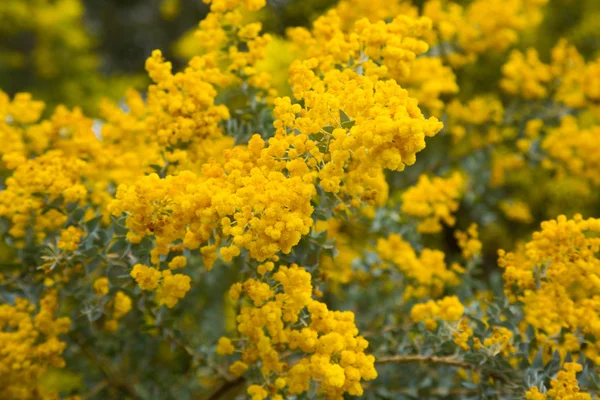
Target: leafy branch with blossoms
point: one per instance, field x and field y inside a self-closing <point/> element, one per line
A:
<point x="226" y="233"/>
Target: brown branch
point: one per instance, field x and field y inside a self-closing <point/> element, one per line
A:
<point x="417" y="358"/>
<point x="225" y="388"/>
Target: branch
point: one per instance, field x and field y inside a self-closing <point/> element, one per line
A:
<point x="417" y="358"/>
<point x="226" y="388"/>
<point x="423" y="359"/>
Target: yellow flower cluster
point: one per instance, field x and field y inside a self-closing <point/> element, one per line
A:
<point x="556" y="278"/>
<point x="70" y="238"/>
<point x="448" y="309"/>
<point x="482" y="26"/>
<point x="525" y="75"/>
<point x="500" y="342"/>
<point x="387" y="128"/>
<point x="324" y="350"/>
<point x="378" y="48"/>
<point x="169" y="287"/>
<point x="22" y="110"/>
<point x="30" y="345"/>
<point x="225" y="39"/>
<point x="433" y="201"/>
<point x="516" y="210"/>
<point x="428" y="81"/>
<point x="118" y="308"/>
<point x="573" y="151"/>
<point x="567" y="77"/>
<point x="36" y="183"/>
<point x="101" y="286"/>
<point x="475" y="124"/>
<point x="245" y="199"/>
<point x="425" y="274"/>
<point x="462" y="335"/>
<point x="563" y="387"/>
<point x="469" y="242"/>
<point x="350" y="11"/>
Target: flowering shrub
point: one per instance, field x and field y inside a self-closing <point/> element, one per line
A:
<point x="341" y="211"/>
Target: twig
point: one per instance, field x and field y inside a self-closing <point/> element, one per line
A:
<point x="111" y="380"/>
<point x="95" y="390"/>
<point x="417" y="358"/>
<point x="226" y="388"/>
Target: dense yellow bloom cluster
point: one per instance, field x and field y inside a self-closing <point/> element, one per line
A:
<point x="425" y="274"/>
<point x="482" y="26"/>
<point x="469" y="242"/>
<point x="70" y="238"/>
<point x="324" y="350"/>
<point x="244" y="198"/>
<point x="563" y="387"/>
<point x="170" y="288"/>
<point x="433" y="201"/>
<point x="379" y="49"/>
<point x="351" y="11"/>
<point x="526" y="75"/>
<point x="30" y="346"/>
<point x="562" y="257"/>
<point x="476" y="123"/>
<point x="573" y="151"/>
<point x="35" y="184"/>
<point x="428" y="81"/>
<point x="448" y="309"/>
<point x="500" y="342"/>
<point x="567" y="77"/>
<point x="462" y="334"/>
<point x="516" y="210"/>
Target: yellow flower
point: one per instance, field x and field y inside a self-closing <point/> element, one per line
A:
<point x="224" y="347"/>
<point x="101" y="286"/>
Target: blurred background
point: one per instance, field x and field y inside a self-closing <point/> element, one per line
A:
<point x="77" y="51"/>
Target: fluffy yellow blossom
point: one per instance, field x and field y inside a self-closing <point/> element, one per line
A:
<point x="556" y="279"/>
<point x="482" y="26"/>
<point x="257" y="393"/>
<point x="446" y="309"/>
<point x="146" y="277"/>
<point x="101" y="286"/>
<point x="330" y="350"/>
<point x="462" y="334"/>
<point x="428" y="81"/>
<point x="178" y="262"/>
<point x="476" y="124"/>
<point x="500" y="342"/>
<point x="425" y="274"/>
<point x="172" y="288"/>
<point x="37" y="183"/>
<point x="70" y="238"/>
<point x="525" y="75"/>
<point x="351" y="11"/>
<point x="121" y="305"/>
<point x="224" y="347"/>
<point x="563" y="387"/>
<point x="573" y="150"/>
<point x="237" y="368"/>
<point x="433" y="201"/>
<point x="469" y="242"/>
<point x="31" y="345"/>
<point x="516" y="210"/>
